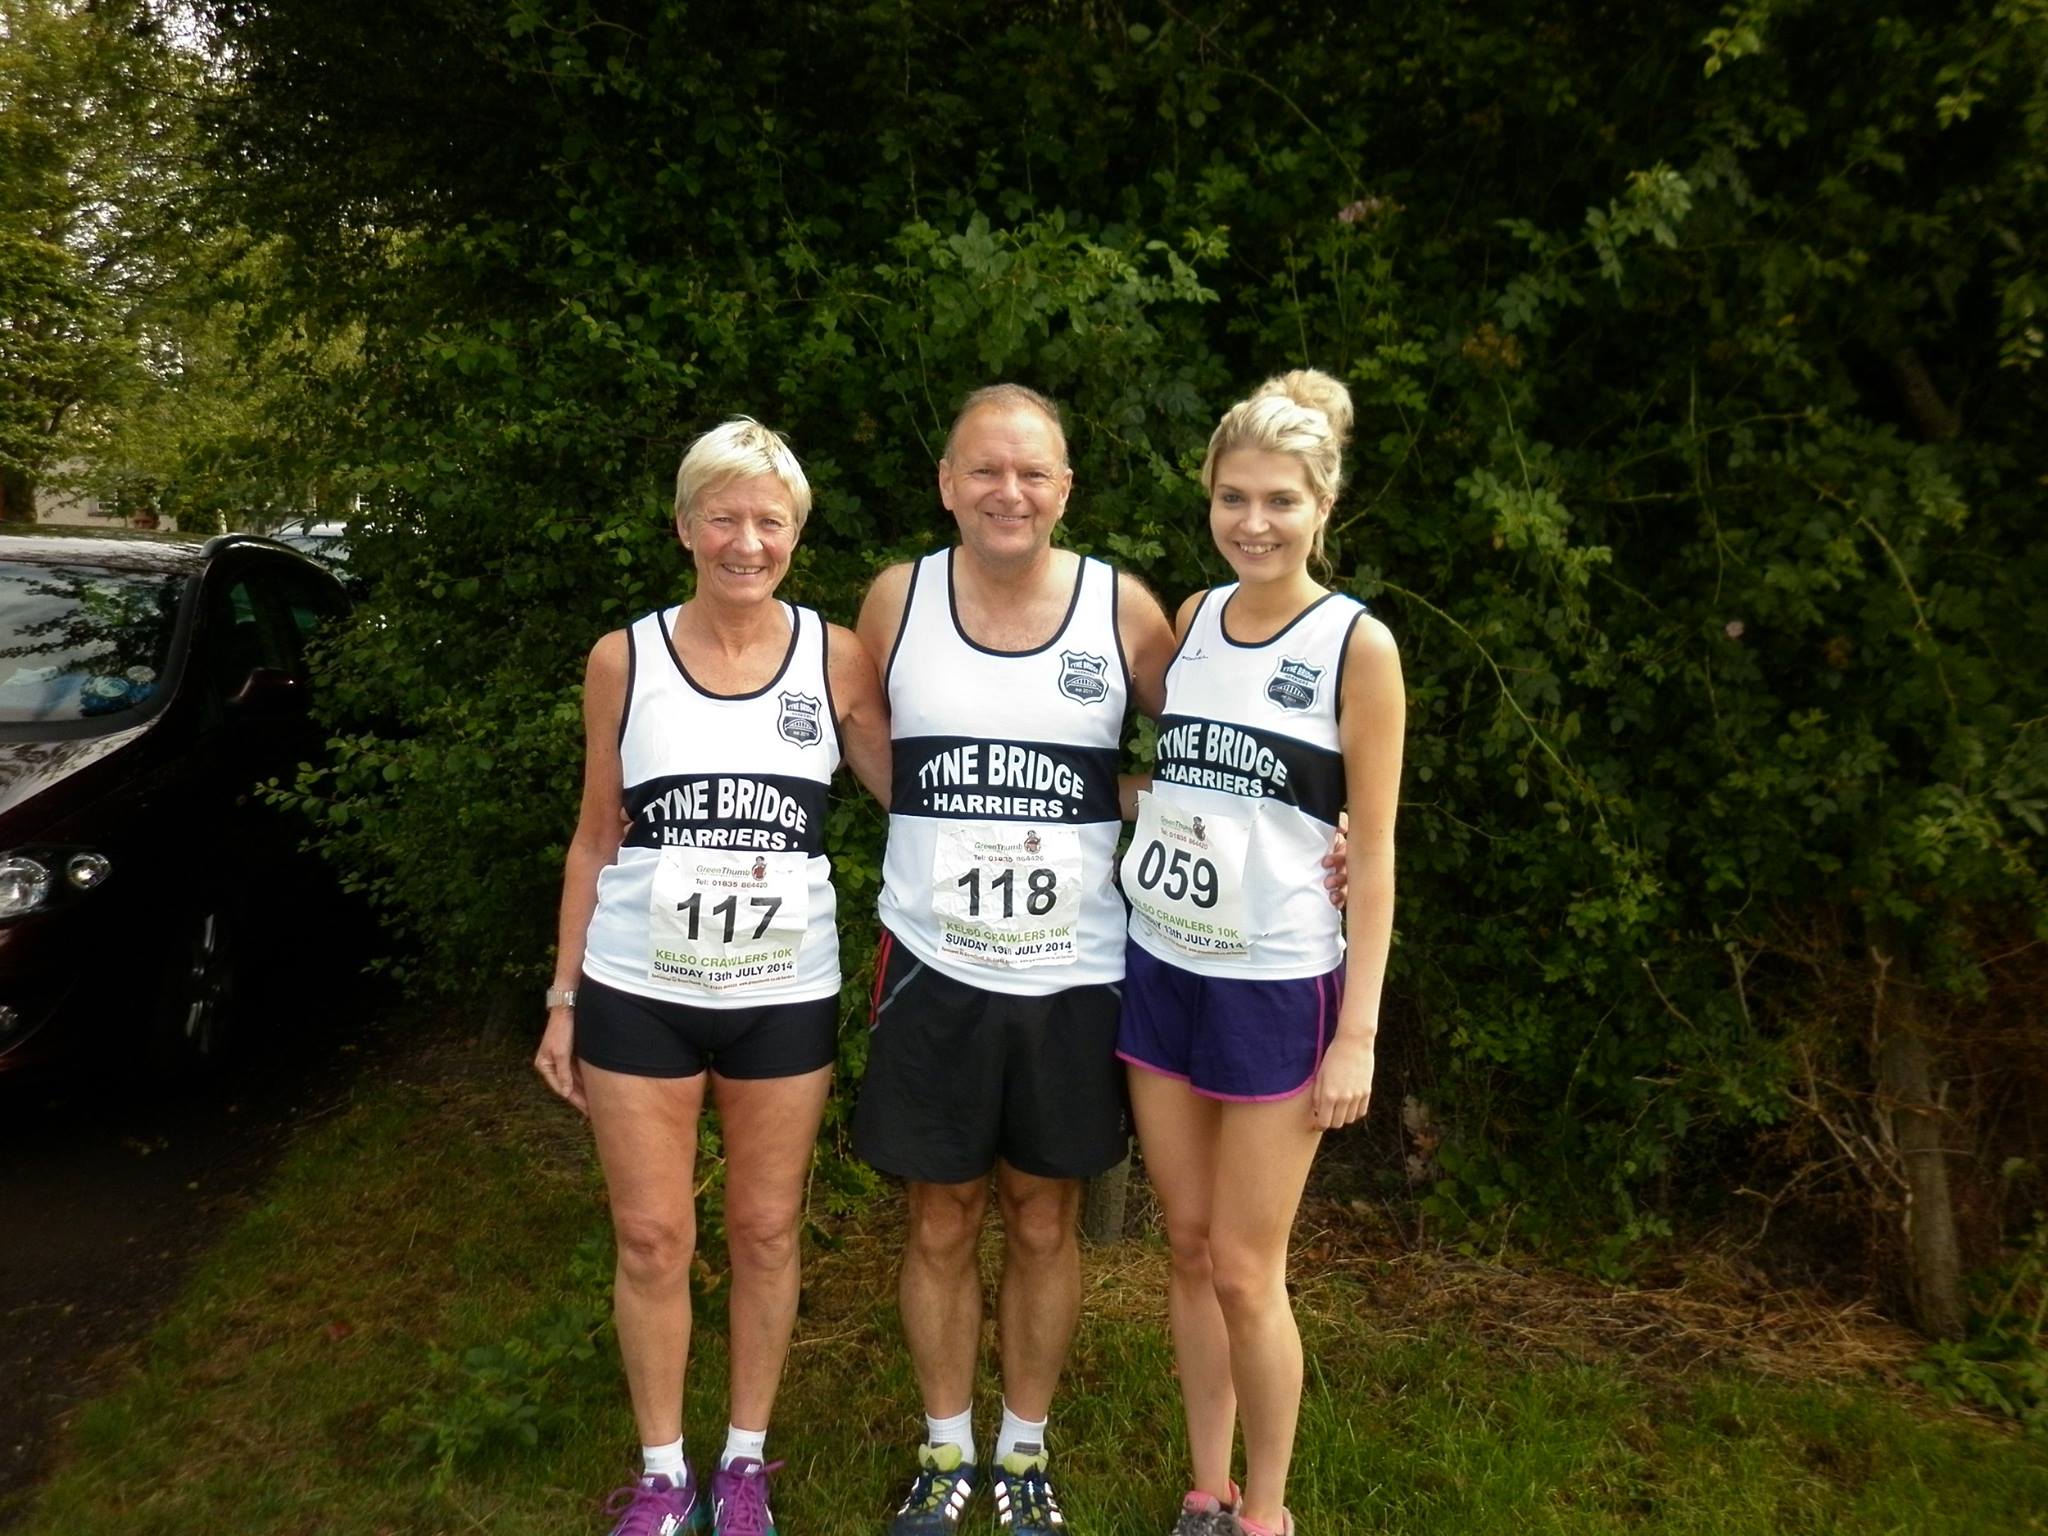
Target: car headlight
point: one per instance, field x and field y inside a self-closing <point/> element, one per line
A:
<point x="87" y="870"/>
<point x="24" y="885"/>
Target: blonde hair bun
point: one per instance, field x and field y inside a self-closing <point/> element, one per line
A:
<point x="1314" y="390"/>
<point x="1305" y="413"/>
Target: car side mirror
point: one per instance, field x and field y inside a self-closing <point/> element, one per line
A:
<point x="268" y="693"/>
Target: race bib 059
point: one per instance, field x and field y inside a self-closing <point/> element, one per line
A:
<point x="1184" y="874"/>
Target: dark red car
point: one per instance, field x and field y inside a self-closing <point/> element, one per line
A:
<point x="147" y="685"/>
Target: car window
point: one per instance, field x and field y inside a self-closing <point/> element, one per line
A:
<point x="311" y="602"/>
<point x="81" y="643"/>
<point x="241" y="634"/>
<point x="296" y="605"/>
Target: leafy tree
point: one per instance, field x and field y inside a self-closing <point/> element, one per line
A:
<point x="93" y="135"/>
<point x="1697" y="363"/>
<point x="233" y="417"/>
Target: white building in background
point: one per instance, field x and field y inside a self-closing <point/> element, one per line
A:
<point x="74" y="509"/>
<point x="79" y="509"/>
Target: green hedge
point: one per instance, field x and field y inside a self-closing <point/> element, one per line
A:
<point x="1697" y="468"/>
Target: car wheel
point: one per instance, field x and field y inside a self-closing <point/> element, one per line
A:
<point x="196" y="1007"/>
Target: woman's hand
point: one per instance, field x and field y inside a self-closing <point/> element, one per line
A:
<point x="1337" y="863"/>
<point x="1343" y="1085"/>
<point x="555" y="1061"/>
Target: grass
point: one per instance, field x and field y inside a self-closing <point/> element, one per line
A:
<point x="316" y="1377"/>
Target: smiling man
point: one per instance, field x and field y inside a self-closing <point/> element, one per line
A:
<point x="1010" y="667"/>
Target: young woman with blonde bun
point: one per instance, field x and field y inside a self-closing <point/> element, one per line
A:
<point x="1250" y="1002"/>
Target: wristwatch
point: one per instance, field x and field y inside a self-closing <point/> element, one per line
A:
<point x="561" y="997"/>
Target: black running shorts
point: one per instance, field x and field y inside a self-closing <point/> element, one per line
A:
<point x="958" y="1077"/>
<point x="653" y="1037"/>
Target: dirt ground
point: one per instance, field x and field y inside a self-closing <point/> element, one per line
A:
<point x="110" y="1191"/>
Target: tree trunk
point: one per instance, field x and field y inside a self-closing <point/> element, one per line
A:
<point x="1934" y="416"/>
<point x="1910" y="1108"/>
<point x="17" y="495"/>
<point x="1102" y="1206"/>
<point x="508" y="1010"/>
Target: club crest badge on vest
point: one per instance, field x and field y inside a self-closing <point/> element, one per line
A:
<point x="1083" y="678"/>
<point x="1293" y="684"/>
<point x="799" y="719"/>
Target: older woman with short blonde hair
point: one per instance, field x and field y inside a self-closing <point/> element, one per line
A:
<point x="698" y="957"/>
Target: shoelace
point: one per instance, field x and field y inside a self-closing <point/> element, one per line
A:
<point x="744" y="1511"/>
<point x="931" y="1491"/>
<point x="1032" y="1500"/>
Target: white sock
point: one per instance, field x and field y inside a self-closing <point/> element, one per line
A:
<point x="958" y="1430"/>
<point x="1018" y="1434"/>
<point x="739" y="1443"/>
<point x="663" y="1461"/>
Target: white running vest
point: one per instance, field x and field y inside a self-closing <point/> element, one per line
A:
<point x="721" y="896"/>
<point x="1003" y="819"/>
<point x="1224" y="872"/>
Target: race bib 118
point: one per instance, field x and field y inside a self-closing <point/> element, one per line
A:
<point x="1007" y="893"/>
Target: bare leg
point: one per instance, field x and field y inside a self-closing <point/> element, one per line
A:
<point x="940" y="1291"/>
<point x="771" y="1129"/>
<point x="1041" y="1296"/>
<point x="1264" y="1156"/>
<point x="647" y="1140"/>
<point x="1180" y="1133"/>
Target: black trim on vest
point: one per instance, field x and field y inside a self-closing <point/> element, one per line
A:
<point x="1082" y="563"/>
<point x="825" y="671"/>
<point x="632" y="674"/>
<point x="1223" y="623"/>
<point x="1344" y="655"/>
<point x="1116" y="628"/>
<point x="789" y="655"/>
<point x="902" y="623"/>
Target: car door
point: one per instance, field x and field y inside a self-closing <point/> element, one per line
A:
<point x="267" y="609"/>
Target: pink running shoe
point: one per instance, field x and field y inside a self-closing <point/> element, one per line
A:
<point x="739" y="1499"/>
<point x="1203" y="1514"/>
<point x="655" y="1506"/>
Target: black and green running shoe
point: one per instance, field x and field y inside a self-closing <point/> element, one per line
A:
<point x="1025" y="1505"/>
<point x="938" y="1497"/>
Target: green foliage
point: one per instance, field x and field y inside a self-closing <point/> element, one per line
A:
<point x="500" y="1398"/>
<point x="92" y="141"/>
<point x="1695" y="466"/>
<point x="216" y="429"/>
<point x="2003" y="1364"/>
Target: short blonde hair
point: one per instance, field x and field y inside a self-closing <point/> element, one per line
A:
<point x="1305" y="413"/>
<point x="738" y="450"/>
<point x="1008" y="397"/>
